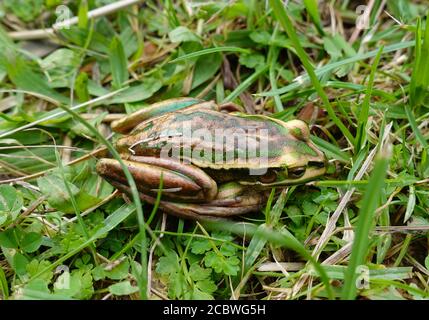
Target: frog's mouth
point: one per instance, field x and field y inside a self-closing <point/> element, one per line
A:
<point x="292" y="176"/>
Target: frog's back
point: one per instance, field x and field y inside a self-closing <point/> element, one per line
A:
<point x="217" y="140"/>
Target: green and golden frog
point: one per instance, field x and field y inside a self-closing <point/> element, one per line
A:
<point x="212" y="163"/>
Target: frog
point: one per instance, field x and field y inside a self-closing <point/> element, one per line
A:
<point x="198" y="160"/>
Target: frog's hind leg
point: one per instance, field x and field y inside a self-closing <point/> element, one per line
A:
<point x="215" y="208"/>
<point x="231" y="200"/>
<point x="180" y="181"/>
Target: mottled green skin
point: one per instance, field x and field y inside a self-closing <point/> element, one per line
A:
<point x="288" y="142"/>
<point x="126" y="124"/>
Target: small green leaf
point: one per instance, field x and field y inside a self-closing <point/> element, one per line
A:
<point x="4" y="288"/>
<point x="205" y="68"/>
<point x="227" y="249"/>
<point x="25" y="78"/>
<point x="8" y="239"/>
<point x="309" y="208"/>
<point x="26" y="10"/>
<point x="295" y="214"/>
<point x="252" y="60"/>
<point x="83" y="15"/>
<point x="81" y="87"/>
<point x="20" y="264"/>
<point x="198" y="273"/>
<point x="169" y="264"/>
<point x="206" y="285"/>
<point x="98" y="273"/>
<point x="331" y="48"/>
<point x="60" y="65"/>
<point x="182" y="34"/>
<point x="119" y="272"/>
<point x="118" y="63"/>
<point x="10" y="203"/>
<point x="35" y="266"/>
<point x="200" y="246"/>
<point x="198" y="294"/>
<point x="221" y="264"/>
<point x="410" y="204"/>
<point x="77" y="284"/>
<point x="138" y="92"/>
<point x="31" y="242"/>
<point x="223" y="235"/>
<point x="122" y="288"/>
<point x="177" y="285"/>
<point x="53" y="187"/>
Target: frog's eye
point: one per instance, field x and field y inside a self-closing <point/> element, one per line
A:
<point x="296" y="173"/>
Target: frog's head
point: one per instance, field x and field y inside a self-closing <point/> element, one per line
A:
<point x="297" y="159"/>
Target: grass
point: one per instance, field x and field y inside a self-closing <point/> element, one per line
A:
<point x="363" y="92"/>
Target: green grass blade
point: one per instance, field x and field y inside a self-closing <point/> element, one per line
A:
<point x="364" y="112"/>
<point x="312" y="8"/>
<point x="420" y="77"/>
<point x="282" y="16"/>
<point x="258" y="241"/>
<point x="303" y="79"/>
<point x="415" y="127"/>
<point x="400" y="285"/>
<point x="23" y="76"/>
<point x="118" y="63"/>
<point x="173" y="21"/>
<point x="134" y="192"/>
<point x="417" y="58"/>
<point x="209" y="51"/>
<point x="3" y="285"/>
<point x="366" y="217"/>
<point x="255" y="247"/>
<point x="83" y="15"/>
<point x="245" y="84"/>
<point x="273" y="54"/>
<point x="331" y="150"/>
<point x="75" y="205"/>
<point x="55" y="114"/>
